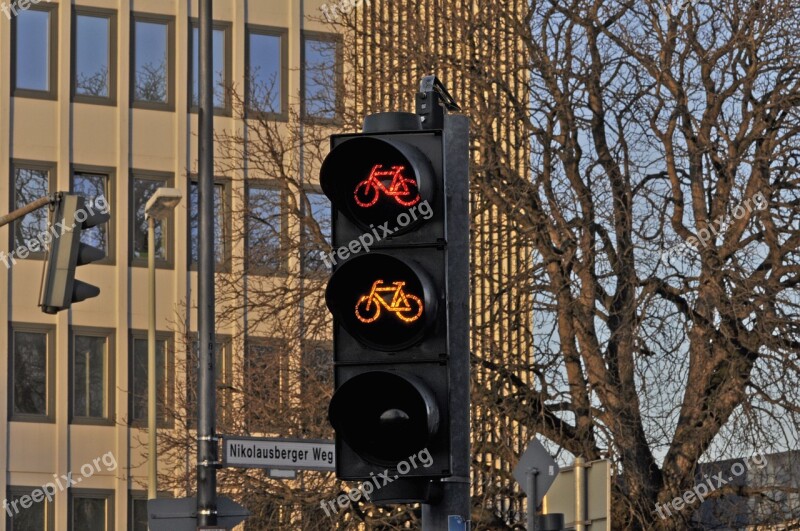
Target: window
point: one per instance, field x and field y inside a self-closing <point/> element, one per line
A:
<point x="30" y="182"/>
<point x="25" y="514"/>
<point x="152" y="61"/>
<point x="267" y="80"/>
<point x="91" y="510"/>
<point x="266" y="385"/>
<point x="143" y="186"/>
<point x="137" y="512"/>
<point x="221" y="46"/>
<point x="31" y="373"/>
<point x="265" y="223"/>
<point x="321" y="77"/>
<point x="94" y="186"/>
<point x="139" y="378"/>
<point x="316" y="243"/>
<point x="224" y="378"/>
<point x="92" y="376"/>
<point x="34" y="34"/>
<point x="94" y="55"/>
<point x="220" y="224"/>
<point x="316" y="387"/>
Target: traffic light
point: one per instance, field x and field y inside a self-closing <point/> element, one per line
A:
<point x="59" y="286"/>
<point x="399" y="297"/>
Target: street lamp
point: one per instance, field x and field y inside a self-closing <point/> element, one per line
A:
<point x="160" y="204"/>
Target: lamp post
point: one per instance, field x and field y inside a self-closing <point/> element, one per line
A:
<point x="160" y="204"/>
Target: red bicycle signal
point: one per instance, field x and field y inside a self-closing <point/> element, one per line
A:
<point x="402" y="189"/>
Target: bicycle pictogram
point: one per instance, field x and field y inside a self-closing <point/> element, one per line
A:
<point x="404" y="306"/>
<point x="402" y="189"/>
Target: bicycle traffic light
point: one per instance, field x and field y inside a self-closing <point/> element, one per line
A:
<point x="59" y="287"/>
<point x="399" y="297"/>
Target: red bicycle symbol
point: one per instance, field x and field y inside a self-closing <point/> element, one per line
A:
<point x="402" y="189"/>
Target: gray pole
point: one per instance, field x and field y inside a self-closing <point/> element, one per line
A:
<point x="206" y="373"/>
<point x="532" y="498"/>
<point x="455" y="500"/>
<point x="152" y="426"/>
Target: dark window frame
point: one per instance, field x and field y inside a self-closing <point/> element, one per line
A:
<point x="19" y="490"/>
<point x="283" y="267"/>
<point x="339" y="67"/>
<point x="169" y="21"/>
<point x="169" y="222"/>
<point x="110" y="372"/>
<point x="227" y="222"/>
<point x="52" y="93"/>
<point x="169" y="337"/>
<point x="111" y="225"/>
<point x="283" y="34"/>
<point x="37" y="165"/>
<point x="106" y="494"/>
<point x="281" y="345"/>
<point x="227" y="56"/>
<point x="98" y="12"/>
<point x="49" y="331"/>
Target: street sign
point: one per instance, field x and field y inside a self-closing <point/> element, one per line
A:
<point x="537" y="460"/>
<point x="276" y="454"/>
<point x="597" y="496"/>
<point x="282" y="474"/>
<point x="180" y="514"/>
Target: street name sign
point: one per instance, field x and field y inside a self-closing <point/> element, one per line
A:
<point x="278" y="454"/>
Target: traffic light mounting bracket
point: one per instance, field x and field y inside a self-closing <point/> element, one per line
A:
<point x="432" y="101"/>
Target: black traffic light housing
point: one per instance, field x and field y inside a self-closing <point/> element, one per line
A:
<point x="401" y="307"/>
<point x="59" y="287"/>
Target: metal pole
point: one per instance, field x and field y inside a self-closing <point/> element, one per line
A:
<point x="580" y="494"/>
<point x="455" y="499"/>
<point x="152" y="478"/>
<point x="532" y="497"/>
<point x="206" y="372"/>
<point x="27" y="209"/>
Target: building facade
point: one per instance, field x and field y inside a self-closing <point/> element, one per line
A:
<point x="98" y="97"/>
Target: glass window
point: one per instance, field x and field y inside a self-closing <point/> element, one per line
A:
<point x="138" y="512"/>
<point x="266" y="385"/>
<point x="31" y="378"/>
<point x="219" y="63"/>
<point x="317" y="384"/>
<point x="93" y="186"/>
<point x="92" y="56"/>
<point x="143" y="189"/>
<point x="219" y="223"/>
<point x="91" y="512"/>
<point x="264" y="230"/>
<point x="30" y="184"/>
<point x="264" y="72"/>
<point x="89" y="377"/>
<point x="32" y="516"/>
<point x="139" y="376"/>
<point x="33" y="50"/>
<point x="320" y="77"/>
<point x="315" y="248"/>
<point x="151" y="61"/>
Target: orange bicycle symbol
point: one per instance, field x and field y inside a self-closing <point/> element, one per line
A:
<point x="402" y="189"/>
<point x="405" y="306"/>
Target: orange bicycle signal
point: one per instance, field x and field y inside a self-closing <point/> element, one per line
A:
<point x="404" y="306"/>
<point x="402" y="189"/>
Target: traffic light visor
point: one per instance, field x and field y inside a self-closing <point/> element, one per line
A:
<point x="373" y="180"/>
<point x="385" y="417"/>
